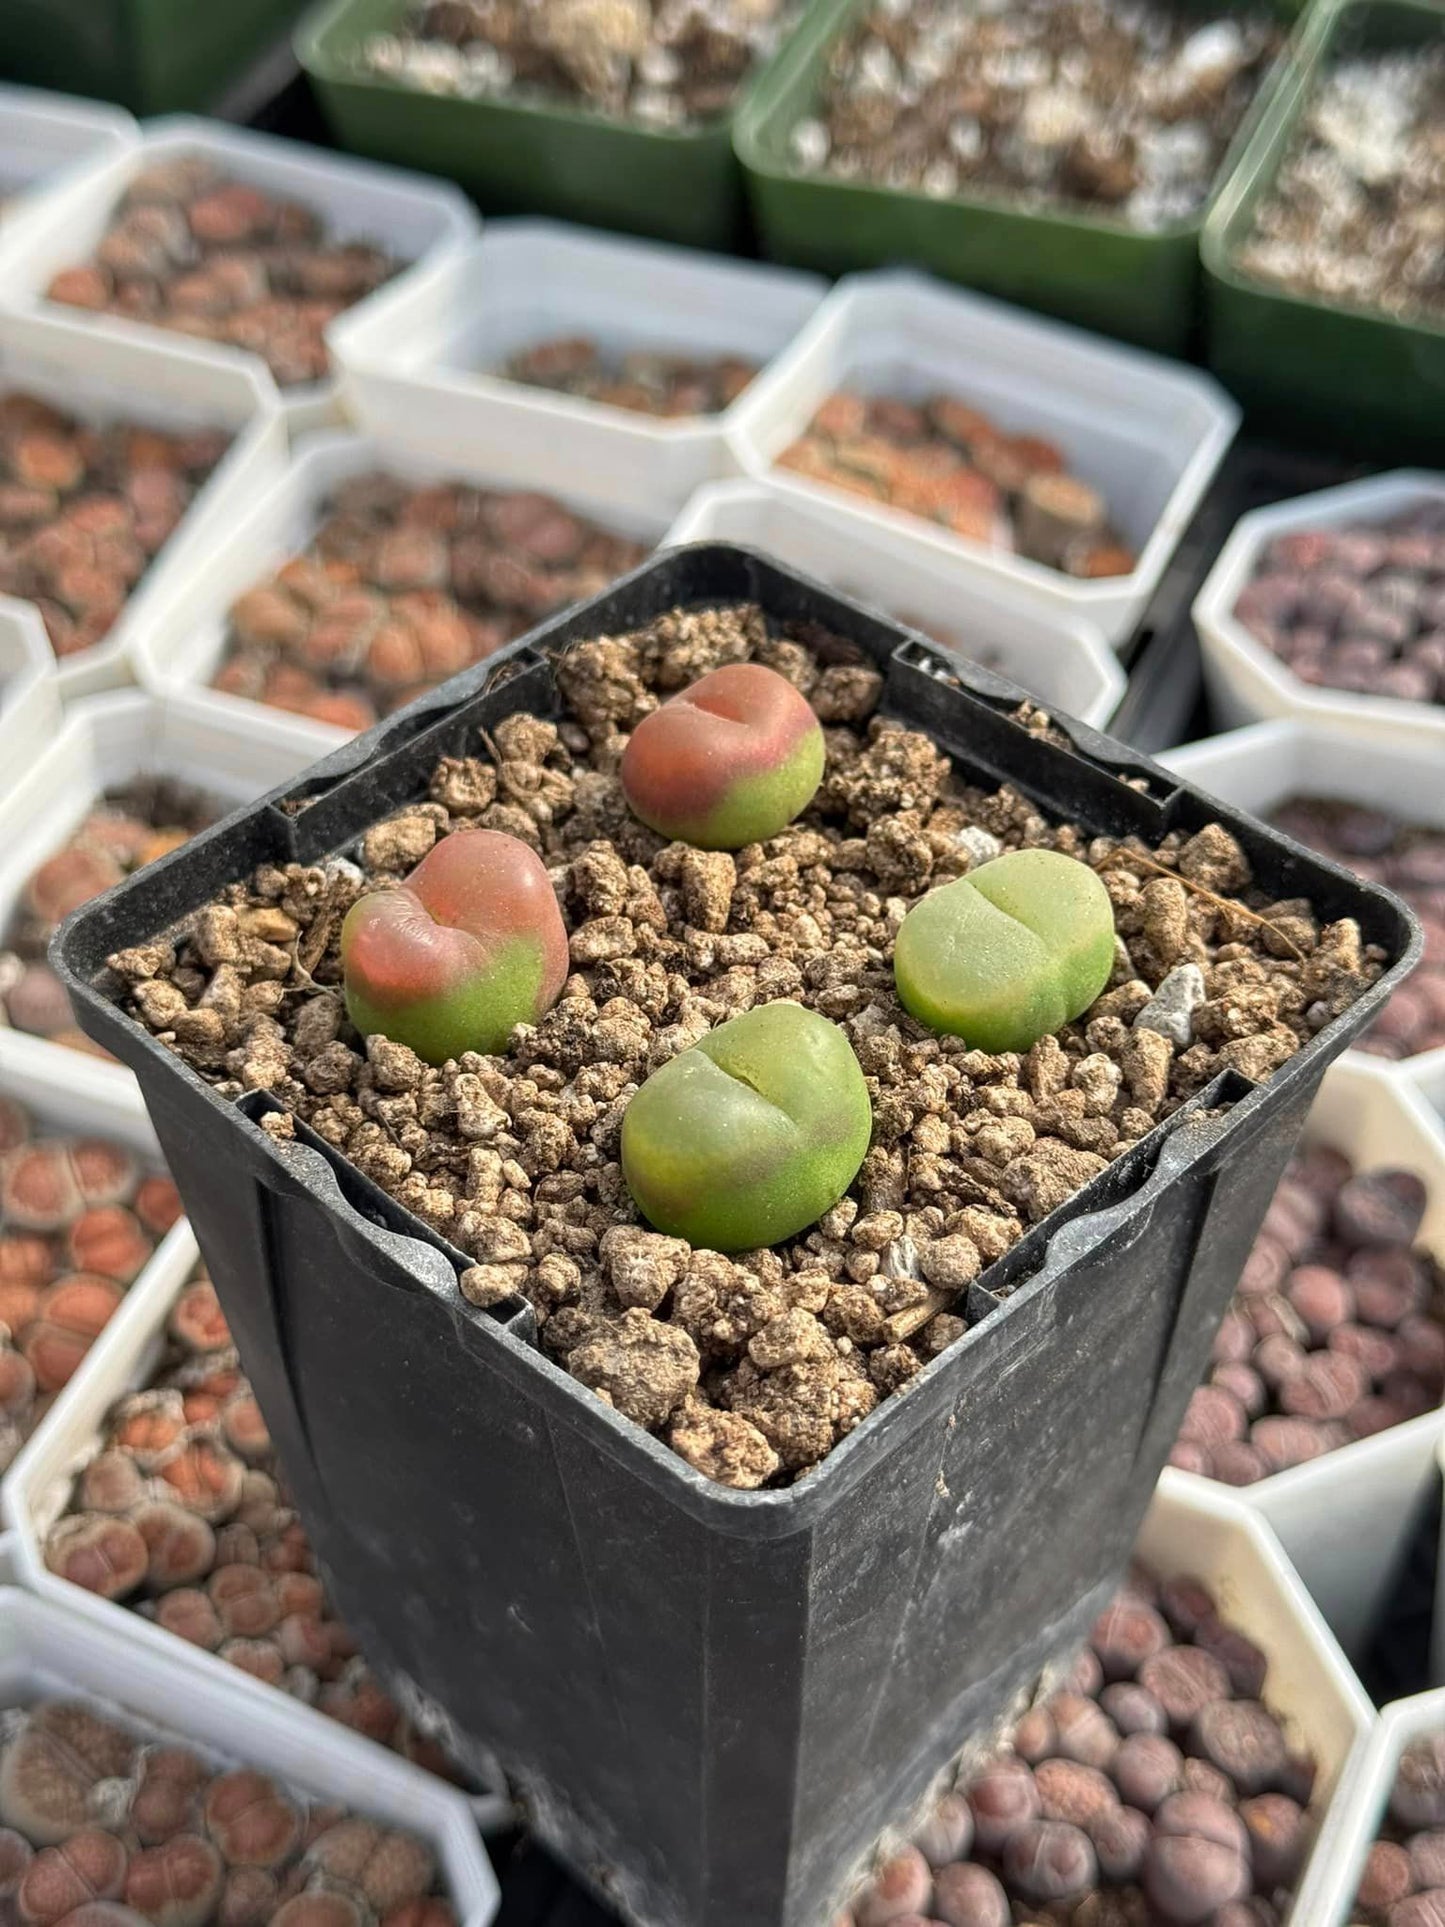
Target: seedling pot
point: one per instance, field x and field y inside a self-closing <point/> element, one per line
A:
<point x="711" y="1701"/>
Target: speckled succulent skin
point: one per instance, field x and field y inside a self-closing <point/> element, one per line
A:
<point x="469" y="946"/>
<point x="1008" y="953"/>
<point x="752" y="1134"/>
<point x="728" y="761"/>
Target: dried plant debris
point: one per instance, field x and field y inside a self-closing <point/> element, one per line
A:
<point x="1353" y="214"/>
<point x="1408" y="858"/>
<point x="1358" y="607"/>
<point x="1403" y="1883"/>
<point x="1337" y="1329"/>
<point x="1158" y="1786"/>
<point x="182" y="1513"/>
<point x="947" y="462"/>
<point x="85" y="510"/>
<point x="1125" y="112"/>
<point x="79" y="1219"/>
<point x="202" y="252"/>
<point x="671" y="64"/>
<point x="643" y="381"/>
<point x="135" y="823"/>
<point x="751" y="1367"/>
<point x="401" y="587"/>
<point x="108" y="1826"/>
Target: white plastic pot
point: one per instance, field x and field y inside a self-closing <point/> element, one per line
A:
<point x="45" y="138"/>
<point x="1263" y="764"/>
<point x="1060" y="658"/>
<point x="48" y="1650"/>
<point x="1205" y="1532"/>
<point x="1332" y="1878"/>
<point x="1246" y="682"/>
<point x="29" y="688"/>
<point x="428" y="350"/>
<point x="412" y="216"/>
<point x="1147" y="433"/>
<point x="101" y="742"/>
<point x="183" y="648"/>
<point x="101" y="379"/>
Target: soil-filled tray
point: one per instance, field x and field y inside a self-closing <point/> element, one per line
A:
<point x="596" y="1599"/>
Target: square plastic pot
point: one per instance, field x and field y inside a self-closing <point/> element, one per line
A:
<point x="103" y="379"/>
<point x="182" y="650"/>
<point x="1068" y="261"/>
<point x="44" y="138"/>
<point x="525" y="155"/>
<point x="1247" y="683"/>
<point x="101" y="742"/>
<point x="1148" y="435"/>
<point x="29" y="688"/>
<point x="36" y="1491"/>
<point x="1063" y="660"/>
<point x="1332" y="1878"/>
<point x="1347" y="376"/>
<point x="49" y="1651"/>
<point x="430" y="352"/>
<point x="153" y="56"/>
<point x="414" y="219"/>
<point x="713" y="1701"/>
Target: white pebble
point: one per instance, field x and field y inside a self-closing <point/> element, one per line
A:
<point x="1170" y="1010"/>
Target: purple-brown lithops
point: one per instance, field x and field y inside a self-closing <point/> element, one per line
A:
<point x="469" y="946"/>
<point x="728" y="761"/>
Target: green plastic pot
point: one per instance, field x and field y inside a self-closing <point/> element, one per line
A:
<point x="518" y="156"/>
<point x="1366" y="382"/>
<point x="1083" y="267"/>
<point x="153" y="56"/>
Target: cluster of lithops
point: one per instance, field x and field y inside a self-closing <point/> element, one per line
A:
<point x="196" y="250"/>
<point x="1403" y="1884"/>
<point x="401" y="587"/>
<point x="1337" y="1330"/>
<point x="672" y="387"/>
<point x="107" y="1827"/>
<point x="834" y="1028"/>
<point x="1157" y="1787"/>
<point x="79" y="1218"/>
<point x="84" y="510"/>
<point x="947" y="462"/>
<point x="182" y="1514"/>
<point x="132" y="826"/>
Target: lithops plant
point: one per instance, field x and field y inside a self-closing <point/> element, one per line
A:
<point x="1008" y="953"/>
<point x="469" y="946"/>
<point x="729" y="760"/>
<point x="752" y="1134"/>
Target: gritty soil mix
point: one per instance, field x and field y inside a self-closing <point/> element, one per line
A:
<point x="751" y="1367"/>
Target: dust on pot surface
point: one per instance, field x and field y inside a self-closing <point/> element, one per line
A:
<point x="1047" y="155"/>
<point x="999" y="1275"/>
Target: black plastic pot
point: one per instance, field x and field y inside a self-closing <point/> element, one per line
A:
<point x="713" y="1701"/>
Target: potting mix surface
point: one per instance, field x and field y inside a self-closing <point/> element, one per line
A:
<point x="1157" y="1789"/>
<point x="79" y="1217"/>
<point x="402" y="587"/>
<point x="751" y="1367"/>
<point x="106" y="1826"/>
<point x="643" y="381"/>
<point x="134" y="823"/>
<point x="85" y="509"/>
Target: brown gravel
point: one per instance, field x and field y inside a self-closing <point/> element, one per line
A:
<point x="945" y="461"/>
<point x="107" y="1826"/>
<point x="402" y="587"/>
<point x="752" y="1367"/>
<point x="251" y="1592"/>
<point x="134" y="824"/>
<point x="195" y="250"/>
<point x="85" y="510"/>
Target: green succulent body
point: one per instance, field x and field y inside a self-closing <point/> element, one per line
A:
<point x="753" y="807"/>
<point x="1009" y="953"/>
<point x="476" y="1014"/>
<point x="751" y="1135"/>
